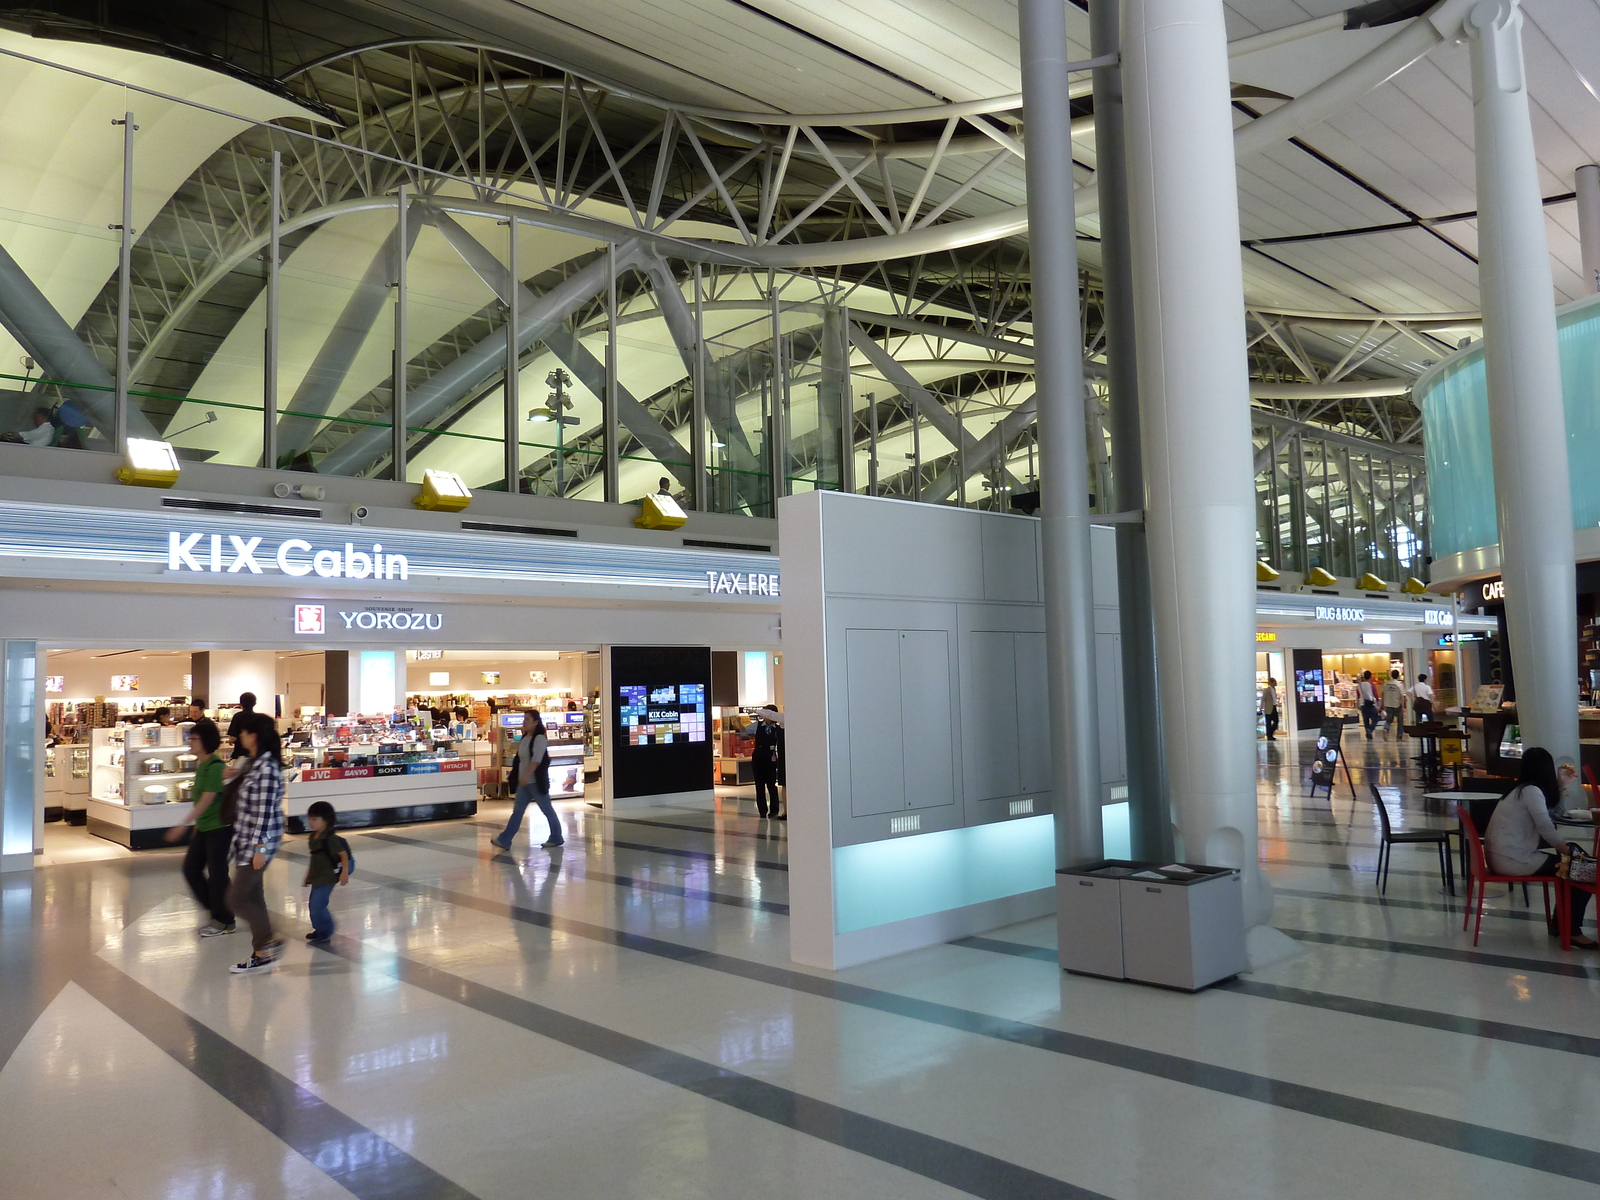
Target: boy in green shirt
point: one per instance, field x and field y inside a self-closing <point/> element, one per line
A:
<point x="330" y="864"/>
<point x="205" y="866"/>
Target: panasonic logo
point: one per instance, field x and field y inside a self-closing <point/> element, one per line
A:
<point x="231" y="555"/>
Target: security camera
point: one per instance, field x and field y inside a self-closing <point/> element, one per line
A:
<point x="358" y="513"/>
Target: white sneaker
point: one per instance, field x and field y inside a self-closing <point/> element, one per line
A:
<point x="213" y="929"/>
<point x="253" y="965"/>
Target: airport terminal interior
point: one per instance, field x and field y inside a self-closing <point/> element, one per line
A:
<point x="868" y="598"/>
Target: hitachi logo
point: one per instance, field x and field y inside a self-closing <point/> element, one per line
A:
<point x="231" y="554"/>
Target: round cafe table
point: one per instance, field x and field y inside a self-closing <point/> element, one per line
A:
<point x="1458" y="832"/>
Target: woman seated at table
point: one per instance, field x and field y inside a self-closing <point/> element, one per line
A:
<point x="1522" y="839"/>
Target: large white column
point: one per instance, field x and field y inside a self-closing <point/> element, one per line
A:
<point x="1587" y="185"/>
<point x="1063" y="436"/>
<point x="1527" y="419"/>
<point x="1195" y="413"/>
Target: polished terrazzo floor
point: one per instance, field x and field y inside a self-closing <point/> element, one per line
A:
<point x="620" y="1020"/>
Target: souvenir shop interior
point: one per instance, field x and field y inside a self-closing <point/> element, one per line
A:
<point x="387" y="737"/>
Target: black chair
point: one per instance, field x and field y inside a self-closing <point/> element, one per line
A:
<point x="1440" y="838"/>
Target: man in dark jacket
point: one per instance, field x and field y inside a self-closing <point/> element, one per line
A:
<point x="767" y="763"/>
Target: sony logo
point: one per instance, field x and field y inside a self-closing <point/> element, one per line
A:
<point x="294" y="557"/>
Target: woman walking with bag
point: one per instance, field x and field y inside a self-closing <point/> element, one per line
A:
<point x="533" y="783"/>
<point x="257" y="832"/>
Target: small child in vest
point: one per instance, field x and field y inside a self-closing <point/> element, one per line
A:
<point x="330" y="864"/>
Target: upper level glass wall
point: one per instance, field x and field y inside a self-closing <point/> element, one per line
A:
<point x="1455" y="413"/>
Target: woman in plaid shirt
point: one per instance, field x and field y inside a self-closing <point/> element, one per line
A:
<point x="257" y="831"/>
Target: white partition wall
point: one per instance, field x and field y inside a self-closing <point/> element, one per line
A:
<point x="916" y="724"/>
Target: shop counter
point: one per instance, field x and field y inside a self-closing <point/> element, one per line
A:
<point x="400" y="794"/>
<point x="136" y="826"/>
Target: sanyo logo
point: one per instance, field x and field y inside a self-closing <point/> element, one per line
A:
<point x="231" y="555"/>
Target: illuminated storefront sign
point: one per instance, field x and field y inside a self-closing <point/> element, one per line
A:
<point x="293" y="556"/>
<point x="313" y="619"/>
<point x="732" y="583"/>
<point x="1265" y="637"/>
<point x="81" y="542"/>
<point x="1333" y="612"/>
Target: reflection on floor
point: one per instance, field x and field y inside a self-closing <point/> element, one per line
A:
<point x="620" y="1019"/>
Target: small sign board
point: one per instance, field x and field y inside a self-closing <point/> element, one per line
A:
<point x="1488" y="698"/>
<point x="1327" y="757"/>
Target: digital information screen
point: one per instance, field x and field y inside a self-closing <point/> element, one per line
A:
<point x="660" y="723"/>
<point x="660" y="715"/>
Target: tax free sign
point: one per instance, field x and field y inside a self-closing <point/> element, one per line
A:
<point x="61" y="541"/>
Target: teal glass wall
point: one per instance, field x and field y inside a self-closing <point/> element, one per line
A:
<point x="1455" y="418"/>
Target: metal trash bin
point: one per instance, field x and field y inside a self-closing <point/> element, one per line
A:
<point x="1180" y="925"/>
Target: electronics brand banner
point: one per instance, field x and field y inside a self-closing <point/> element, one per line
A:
<point x="113" y="544"/>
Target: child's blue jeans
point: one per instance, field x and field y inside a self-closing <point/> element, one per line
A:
<point x="321" y="919"/>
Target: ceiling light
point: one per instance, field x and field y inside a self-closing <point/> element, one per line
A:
<point x="149" y="463"/>
<point x="442" y="491"/>
<point x="661" y="512"/>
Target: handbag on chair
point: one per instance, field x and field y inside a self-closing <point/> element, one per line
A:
<point x="1577" y="864"/>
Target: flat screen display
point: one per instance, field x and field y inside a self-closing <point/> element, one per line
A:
<point x="660" y="725"/>
<point x="1308" y="686"/>
<point x="659" y="716"/>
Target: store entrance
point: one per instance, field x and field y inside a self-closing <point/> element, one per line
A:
<point x="387" y="737"/>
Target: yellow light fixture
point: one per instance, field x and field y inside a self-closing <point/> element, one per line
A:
<point x="1414" y="587"/>
<point x="1265" y="572"/>
<point x="1317" y="577"/>
<point x="149" y="463"/>
<point x="661" y="512"/>
<point x="1371" y="583"/>
<point x="443" y="491"/>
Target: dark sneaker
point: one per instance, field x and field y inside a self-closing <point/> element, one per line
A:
<point x="316" y="938"/>
<point x="213" y="929"/>
<point x="498" y="844"/>
<point x="273" y="950"/>
<point x="553" y="845"/>
<point x="253" y="965"/>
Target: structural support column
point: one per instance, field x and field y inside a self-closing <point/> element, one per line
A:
<point x="1527" y="419"/>
<point x="1587" y="185"/>
<point x="124" y="286"/>
<point x="1200" y="516"/>
<point x="1151" y="815"/>
<point x="1063" y="442"/>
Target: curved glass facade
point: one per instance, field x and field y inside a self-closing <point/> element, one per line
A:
<point x="1455" y="417"/>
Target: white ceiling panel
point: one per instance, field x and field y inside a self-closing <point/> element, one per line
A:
<point x="1409" y="140"/>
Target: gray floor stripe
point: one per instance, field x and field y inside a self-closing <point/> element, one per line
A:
<point x="739" y="833"/>
<point x="572" y="871"/>
<point x="1500" y="1031"/>
<point x="949" y="1163"/>
<point x="1483" y="1141"/>
<point x="1509" y="914"/>
<point x="675" y="851"/>
<point x="1476" y="958"/>
<point x="362" y="1162"/>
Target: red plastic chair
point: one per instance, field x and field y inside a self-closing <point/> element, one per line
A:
<point x="1478" y="875"/>
<point x="1564" y="896"/>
